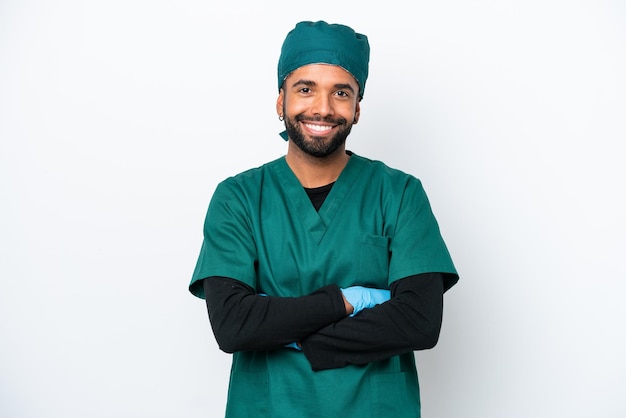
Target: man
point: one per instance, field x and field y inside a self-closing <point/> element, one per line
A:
<point x="323" y="270"/>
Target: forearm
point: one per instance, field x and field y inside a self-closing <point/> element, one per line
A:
<point x="245" y="321"/>
<point x="411" y="320"/>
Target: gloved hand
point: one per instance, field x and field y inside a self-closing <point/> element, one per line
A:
<point x="364" y="297"/>
<point x="294" y="346"/>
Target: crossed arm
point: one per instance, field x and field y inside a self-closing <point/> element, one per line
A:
<point x="330" y="338"/>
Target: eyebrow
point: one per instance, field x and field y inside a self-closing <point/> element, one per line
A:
<point x="311" y="83"/>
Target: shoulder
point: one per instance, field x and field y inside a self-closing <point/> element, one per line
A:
<point x="381" y="173"/>
<point x="247" y="181"/>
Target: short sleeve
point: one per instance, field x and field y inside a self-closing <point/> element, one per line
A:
<point x="417" y="245"/>
<point x="228" y="248"/>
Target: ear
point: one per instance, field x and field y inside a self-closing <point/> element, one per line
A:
<point x="357" y="112"/>
<point x="280" y="102"/>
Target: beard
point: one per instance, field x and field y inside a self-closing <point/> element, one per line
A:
<point x="317" y="146"/>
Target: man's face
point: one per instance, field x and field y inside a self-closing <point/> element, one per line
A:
<point x="320" y="103"/>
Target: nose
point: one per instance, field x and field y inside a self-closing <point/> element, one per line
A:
<point x="322" y="105"/>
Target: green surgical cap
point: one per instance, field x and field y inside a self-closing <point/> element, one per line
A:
<point x="323" y="43"/>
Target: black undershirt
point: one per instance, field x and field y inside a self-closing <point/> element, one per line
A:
<point x="318" y="194"/>
<point x="245" y="321"/>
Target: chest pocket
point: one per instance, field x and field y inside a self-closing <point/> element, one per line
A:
<point x="373" y="260"/>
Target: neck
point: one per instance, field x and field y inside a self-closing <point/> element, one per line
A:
<point x="314" y="171"/>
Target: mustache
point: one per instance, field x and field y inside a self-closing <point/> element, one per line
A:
<point x="318" y="118"/>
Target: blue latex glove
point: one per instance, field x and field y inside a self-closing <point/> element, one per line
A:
<point x="365" y="297"/>
<point x="294" y="346"/>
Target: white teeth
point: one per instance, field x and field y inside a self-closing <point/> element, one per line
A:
<point x="318" y="128"/>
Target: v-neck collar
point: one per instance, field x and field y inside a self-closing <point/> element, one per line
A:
<point x="317" y="222"/>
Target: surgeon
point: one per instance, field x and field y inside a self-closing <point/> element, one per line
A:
<point x="323" y="271"/>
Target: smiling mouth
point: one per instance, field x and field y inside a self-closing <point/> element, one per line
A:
<point x="321" y="129"/>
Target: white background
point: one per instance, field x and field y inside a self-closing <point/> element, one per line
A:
<point x="118" y="118"/>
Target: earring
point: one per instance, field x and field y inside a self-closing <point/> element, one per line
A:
<point x="281" y="118"/>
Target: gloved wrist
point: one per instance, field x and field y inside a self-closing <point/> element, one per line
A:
<point x="361" y="297"/>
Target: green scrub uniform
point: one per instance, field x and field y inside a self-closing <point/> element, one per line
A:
<point x="375" y="227"/>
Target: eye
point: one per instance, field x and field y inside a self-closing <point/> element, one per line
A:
<point x="305" y="90"/>
<point x="342" y="93"/>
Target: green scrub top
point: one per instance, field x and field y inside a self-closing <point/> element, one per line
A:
<point x="375" y="227"/>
